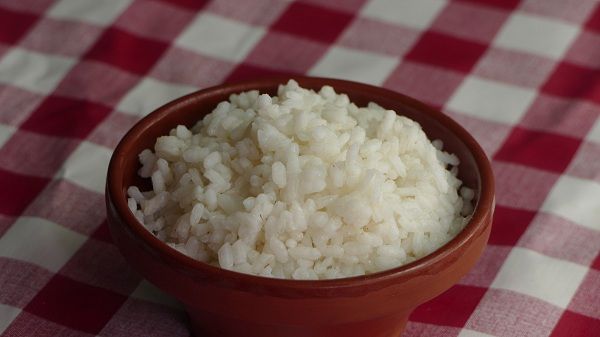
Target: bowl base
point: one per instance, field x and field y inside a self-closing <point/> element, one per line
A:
<point x="205" y="324"/>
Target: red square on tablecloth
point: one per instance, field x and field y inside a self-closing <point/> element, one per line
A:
<point x="522" y="187"/>
<point x="188" y="4"/>
<point x="287" y="52"/>
<point x="587" y="298"/>
<point x="14" y="25"/>
<point x="509" y="224"/>
<point x="102" y="233"/>
<point x="66" y="117"/>
<point x="27" y="324"/>
<point x="70" y="206"/>
<point x="460" y="298"/>
<point x="23" y="189"/>
<point x="324" y="24"/>
<point x="576" y="325"/>
<point x="593" y="21"/>
<point x="130" y="52"/>
<point x="433" y="85"/>
<point x="596" y="263"/>
<point x="100" y="264"/>
<point x="75" y="304"/>
<point x="21" y="281"/>
<point x="96" y="81"/>
<point x="344" y="5"/>
<point x="15" y="155"/>
<point x="547" y="151"/>
<point x="570" y="80"/>
<point x="446" y="51"/>
<point x="247" y="71"/>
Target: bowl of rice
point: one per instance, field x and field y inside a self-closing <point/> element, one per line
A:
<point x="304" y="207"/>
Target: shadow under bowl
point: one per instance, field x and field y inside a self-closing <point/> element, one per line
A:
<point x="225" y="303"/>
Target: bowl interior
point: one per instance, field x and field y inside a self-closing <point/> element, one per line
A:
<point x="193" y="110"/>
<point x="474" y="168"/>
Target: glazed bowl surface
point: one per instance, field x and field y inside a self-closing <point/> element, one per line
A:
<point x="226" y="303"/>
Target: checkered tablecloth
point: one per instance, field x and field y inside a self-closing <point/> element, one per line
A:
<point x="523" y="77"/>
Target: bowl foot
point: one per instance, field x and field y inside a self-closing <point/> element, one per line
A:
<point x="205" y="324"/>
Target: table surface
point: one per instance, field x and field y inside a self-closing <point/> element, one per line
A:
<point x="523" y="77"/>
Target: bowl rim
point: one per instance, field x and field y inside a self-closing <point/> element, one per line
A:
<point x="114" y="191"/>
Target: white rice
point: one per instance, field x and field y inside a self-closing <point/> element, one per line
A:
<point x="302" y="185"/>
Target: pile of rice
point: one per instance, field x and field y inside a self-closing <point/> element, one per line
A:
<point x="303" y="185"/>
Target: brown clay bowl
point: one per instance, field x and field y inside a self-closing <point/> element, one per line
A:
<point x="225" y="303"/>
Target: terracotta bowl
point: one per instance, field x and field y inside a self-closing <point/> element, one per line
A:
<point x="226" y="303"/>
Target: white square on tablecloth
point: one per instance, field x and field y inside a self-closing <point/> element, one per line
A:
<point x="491" y="100"/>
<point x="575" y="199"/>
<point x="7" y="315"/>
<point x="92" y="11"/>
<point x="87" y="166"/>
<point x="41" y="242"/>
<point x="213" y="35"/>
<point x="537" y="35"/>
<point x="594" y="133"/>
<point x="33" y="71"/>
<point x="412" y="13"/>
<point x="531" y="273"/>
<point x="148" y="292"/>
<point x="6" y="131"/>
<point x="472" y="333"/>
<point x="150" y="94"/>
<point x="355" y="65"/>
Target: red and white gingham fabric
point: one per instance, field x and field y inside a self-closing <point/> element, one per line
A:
<point x="523" y="77"/>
